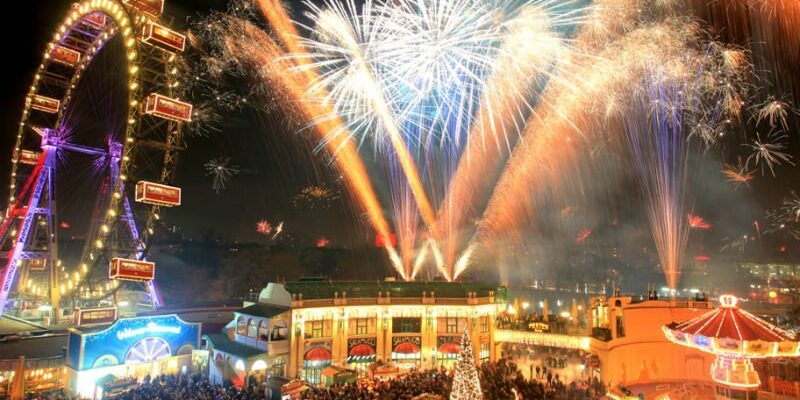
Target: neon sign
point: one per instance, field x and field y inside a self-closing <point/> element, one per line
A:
<point x="149" y="328"/>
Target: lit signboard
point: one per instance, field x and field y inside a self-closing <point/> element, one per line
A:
<point x="66" y="56"/>
<point x="43" y="103"/>
<point x="153" y="8"/>
<point x="157" y="194"/>
<point x="37" y="264"/>
<point x="94" y="316"/>
<point x="167" y="108"/>
<point x="131" y="270"/>
<point x="132" y="341"/>
<point x="29" y="157"/>
<point x="161" y="36"/>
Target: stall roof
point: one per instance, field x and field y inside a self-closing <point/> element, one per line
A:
<point x="222" y="343"/>
<point x="263" y="310"/>
<point x="34" y="347"/>
<point x="14" y="326"/>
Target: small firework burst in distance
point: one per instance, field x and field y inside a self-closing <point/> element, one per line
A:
<point x="264" y="227"/>
<point x="278" y="230"/>
<point x="315" y="196"/>
<point x="738" y="174"/>
<point x="583" y="235"/>
<point x="769" y="152"/>
<point x="697" y="222"/>
<point x="221" y="171"/>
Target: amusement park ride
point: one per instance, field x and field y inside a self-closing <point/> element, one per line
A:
<point x="135" y="167"/>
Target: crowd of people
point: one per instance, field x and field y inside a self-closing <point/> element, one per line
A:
<point x="174" y="387"/>
<point x="406" y="386"/>
<point x="500" y="380"/>
<point x="503" y="380"/>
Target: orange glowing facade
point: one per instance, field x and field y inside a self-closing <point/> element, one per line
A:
<point x="627" y="340"/>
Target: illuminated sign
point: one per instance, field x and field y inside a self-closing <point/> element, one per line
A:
<point x="160" y="36"/>
<point x="37" y="264"/>
<point x="29" y="157"/>
<point x="157" y="194"/>
<point x="153" y="8"/>
<point x="43" y="103"/>
<point x="131" y="270"/>
<point x="66" y="56"/>
<point x="97" y="19"/>
<point x="167" y="108"/>
<point x="149" y="328"/>
<point x="94" y="316"/>
<point x="132" y="341"/>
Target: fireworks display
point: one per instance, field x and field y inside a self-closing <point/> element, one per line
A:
<point x="263" y="227"/>
<point x="697" y="222"/>
<point x="221" y="172"/>
<point x="315" y="196"/>
<point x="481" y="115"/>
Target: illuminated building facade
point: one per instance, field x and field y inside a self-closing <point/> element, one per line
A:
<point x="129" y="348"/>
<point x="411" y="324"/>
<point x="627" y="341"/>
<point x="254" y="345"/>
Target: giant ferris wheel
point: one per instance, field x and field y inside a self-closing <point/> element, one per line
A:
<point x="94" y="159"/>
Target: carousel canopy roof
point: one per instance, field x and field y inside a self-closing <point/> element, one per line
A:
<point x="729" y="321"/>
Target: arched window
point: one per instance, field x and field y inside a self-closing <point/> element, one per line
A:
<point x="251" y="328"/>
<point x="262" y="331"/>
<point x="280" y="331"/>
<point x="241" y="326"/>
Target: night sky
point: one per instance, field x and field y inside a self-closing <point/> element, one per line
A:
<point x="276" y="162"/>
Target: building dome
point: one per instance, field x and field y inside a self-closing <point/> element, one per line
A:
<point x="275" y="294"/>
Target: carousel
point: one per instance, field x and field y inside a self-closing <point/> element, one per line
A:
<point x="735" y="337"/>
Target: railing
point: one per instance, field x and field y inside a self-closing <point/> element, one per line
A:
<point x="542" y="339"/>
<point x="603" y="334"/>
<point x="365" y="301"/>
<point x="691" y="304"/>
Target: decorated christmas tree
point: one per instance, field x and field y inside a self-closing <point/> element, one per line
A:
<point x="466" y="385"/>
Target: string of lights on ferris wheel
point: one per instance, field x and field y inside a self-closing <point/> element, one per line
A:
<point x="136" y="22"/>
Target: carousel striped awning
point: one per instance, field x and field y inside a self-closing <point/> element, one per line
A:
<point x="731" y="330"/>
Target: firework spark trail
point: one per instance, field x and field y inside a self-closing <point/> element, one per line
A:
<point x="545" y="147"/>
<point x="421" y="256"/>
<point x="610" y="77"/>
<point x="771" y="29"/>
<point x="528" y="51"/>
<point x="253" y="47"/>
<point x="786" y="218"/>
<point x="342" y="31"/>
<point x="405" y="214"/>
<point x="660" y="153"/>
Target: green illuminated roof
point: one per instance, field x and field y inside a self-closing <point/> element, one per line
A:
<point x="324" y="289"/>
